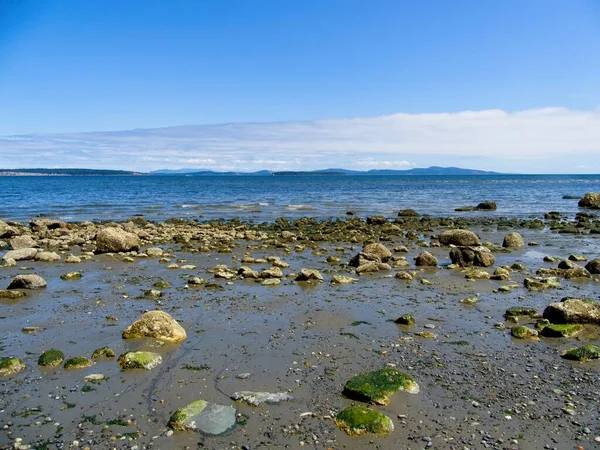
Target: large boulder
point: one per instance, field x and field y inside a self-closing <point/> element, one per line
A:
<point x="486" y="206"/>
<point x="593" y="266"/>
<point x="459" y="237"/>
<point x="6" y="230"/>
<point x="379" y="250"/>
<point x="513" y="240"/>
<point x="114" y="240"/>
<point x="29" y="281"/>
<point x="426" y="259"/>
<point x="472" y="256"/>
<point x="22" y="254"/>
<point x="19" y="242"/>
<point x="573" y="310"/>
<point x="158" y="325"/>
<point x="590" y="200"/>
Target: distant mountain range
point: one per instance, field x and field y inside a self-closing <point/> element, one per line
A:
<point x="434" y="170"/>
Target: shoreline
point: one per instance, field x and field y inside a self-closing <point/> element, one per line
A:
<point x="236" y="289"/>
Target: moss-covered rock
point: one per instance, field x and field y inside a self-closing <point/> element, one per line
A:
<point x="358" y="420"/>
<point x="11" y="295"/>
<point x="204" y="417"/>
<point x="541" y="283"/>
<point x="573" y="310"/>
<point x="10" y="366"/>
<point x="79" y="362"/>
<point x="376" y="386"/>
<point x="561" y="330"/>
<point x="584" y="353"/>
<point x="522" y="332"/>
<point x="158" y="325"/>
<point x="71" y="276"/>
<point x="518" y="311"/>
<point x="139" y="360"/>
<point x="405" y="319"/>
<point x="51" y="358"/>
<point x="103" y="352"/>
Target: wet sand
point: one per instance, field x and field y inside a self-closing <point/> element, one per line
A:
<point x="480" y="388"/>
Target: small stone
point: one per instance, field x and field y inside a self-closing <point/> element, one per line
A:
<point x="207" y="418"/>
<point x="139" y="360"/>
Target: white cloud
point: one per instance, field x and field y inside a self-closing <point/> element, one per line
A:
<point x="557" y="139"/>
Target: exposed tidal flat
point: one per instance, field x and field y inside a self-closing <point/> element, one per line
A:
<point x="467" y="330"/>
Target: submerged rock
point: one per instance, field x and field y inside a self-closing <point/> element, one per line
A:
<point x="51" y="358"/>
<point x="204" y="417"/>
<point x="10" y="366"/>
<point x="139" y="360"/>
<point x="115" y="240"/>
<point x="71" y="276"/>
<point x="584" y="353"/>
<point x="256" y="398"/>
<point x="541" y="283"/>
<point x="11" y="295"/>
<point x="573" y="310"/>
<point x="30" y="281"/>
<point x="376" y="386"/>
<point x="358" y="420"/>
<point x="158" y="325"/>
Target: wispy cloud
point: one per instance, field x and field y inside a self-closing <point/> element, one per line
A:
<point x="546" y="139"/>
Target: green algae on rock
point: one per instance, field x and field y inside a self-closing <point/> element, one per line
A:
<point x="561" y="330"/>
<point x="105" y="352"/>
<point x="378" y="385"/>
<point x="583" y="354"/>
<point x="10" y="366"/>
<point x="158" y="325"/>
<point x="405" y="319"/>
<point x="11" y="295"/>
<point x="541" y="283"/>
<point x="522" y="332"/>
<point x="51" y="358"/>
<point x="71" y="276"/>
<point x="207" y="418"/>
<point x="358" y="420"/>
<point x="79" y="362"/>
<point x="139" y="360"/>
<point x="517" y="311"/>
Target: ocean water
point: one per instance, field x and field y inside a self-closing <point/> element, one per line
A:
<point x="267" y="198"/>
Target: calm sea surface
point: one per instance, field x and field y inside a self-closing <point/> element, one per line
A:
<point x="270" y="197"/>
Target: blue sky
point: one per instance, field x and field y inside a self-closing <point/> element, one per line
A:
<point x="70" y="67"/>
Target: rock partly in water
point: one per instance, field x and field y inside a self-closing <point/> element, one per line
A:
<point x="593" y="266"/>
<point x="377" y="386"/>
<point x="379" y="250"/>
<point x="103" y="352"/>
<point x="158" y="325"/>
<point x="405" y="319"/>
<point x="358" y="420"/>
<point x="523" y="332"/>
<point x="11" y="295"/>
<point x="71" y="276"/>
<point x="257" y="398"/>
<point x="426" y="259"/>
<point x="584" y="353"/>
<point x="79" y="362"/>
<point x="472" y="256"/>
<point x="115" y="240"/>
<point x="11" y="366"/>
<point x="561" y="330"/>
<point x="517" y="311"/>
<point x="139" y="360"/>
<point x="573" y="310"/>
<point x="513" y="240"/>
<point x="29" y="281"/>
<point x="460" y="238"/>
<point x="541" y="283"/>
<point x="23" y="254"/>
<point x="204" y="417"/>
<point x="51" y="358"/>
<point x="590" y="200"/>
<point x="47" y="257"/>
<point x="309" y="275"/>
<point x="341" y="279"/>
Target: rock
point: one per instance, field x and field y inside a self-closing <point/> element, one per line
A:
<point x="271" y="282"/>
<point x="79" y="362"/>
<point x="11" y="295"/>
<point x="577" y="272"/>
<point x="522" y="332"/>
<point x="501" y="274"/>
<point x="590" y="200"/>
<point x="8" y="262"/>
<point x="72" y="259"/>
<point x="407" y="213"/>
<point x="372" y="267"/>
<point x="541" y="283"/>
<point x="247" y="272"/>
<point x="204" y="417"/>
<point x="51" y="358"/>
<point x="573" y="310"/>
<point x="115" y="240"/>
<point x="11" y="366"/>
<point x="273" y="272"/>
<point x="379" y="250"/>
<point x="486" y="206"/>
<point x="288" y="235"/>
<point x="404" y="275"/>
<point x="6" y="230"/>
<point x="561" y="330"/>
<point x="30" y="281"/>
<point x="469" y="301"/>
<point x="309" y="275"/>
<point x="513" y="240"/>
<point x="376" y="220"/>
<point x="153" y="293"/>
<point x="194" y="281"/>
<point x="103" y="352"/>
<point x="94" y="378"/>
<point x="23" y="254"/>
<point x="47" y="257"/>
<point x="376" y="386"/>
<point x="477" y="274"/>
<point x="341" y="279"/>
<point x="19" y="242"/>
<point x="426" y="259"/>
<point x="593" y="266"/>
<point x="520" y="267"/>
<point x="472" y="256"/>
<point x="567" y="264"/>
<point x="583" y="354"/>
<point x="139" y="360"/>
<point x="154" y="252"/>
<point x="405" y="319"/>
<point x="71" y="276"/>
<point x="363" y="258"/>
<point x="358" y="420"/>
<point x="459" y="237"/>
<point x="578" y="258"/>
<point x="518" y="311"/>
<point x="158" y="325"/>
<point x="256" y="398"/>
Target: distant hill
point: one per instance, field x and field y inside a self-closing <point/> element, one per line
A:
<point x="65" y="172"/>
<point x="434" y="170"/>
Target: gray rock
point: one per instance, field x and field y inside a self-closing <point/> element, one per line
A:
<point x="47" y="257"/>
<point x="114" y="240"/>
<point x="22" y="254"/>
<point x="256" y="398"/>
<point x="204" y="417"/>
<point x="459" y="237"/>
<point x="27" y="282"/>
<point x="426" y="259"/>
<point x="19" y="242"/>
<point x="573" y="310"/>
<point x="513" y="240"/>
